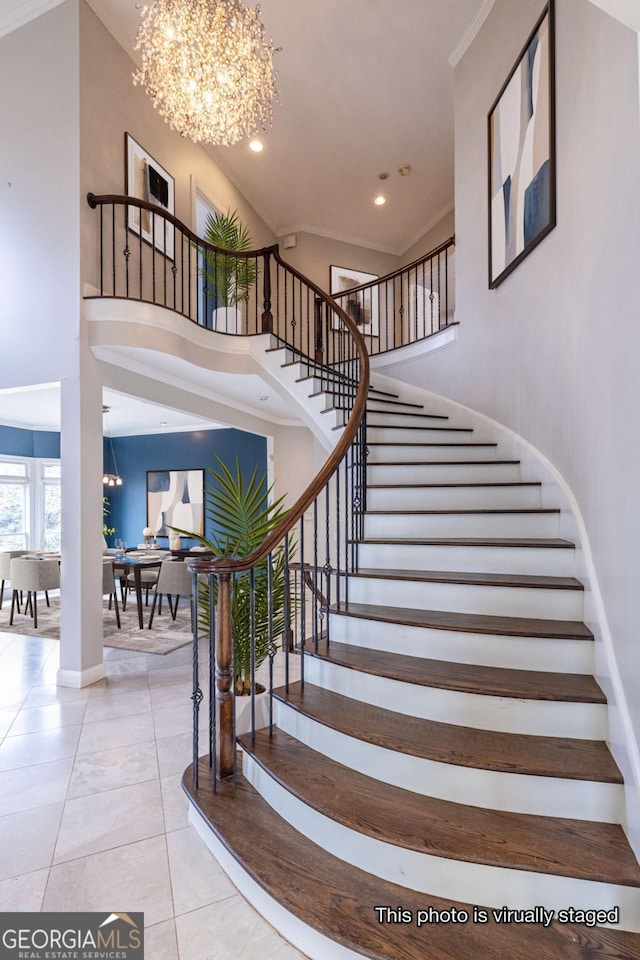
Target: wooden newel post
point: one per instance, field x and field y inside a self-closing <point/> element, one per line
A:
<point x="225" y="746"/>
<point x="267" y="316"/>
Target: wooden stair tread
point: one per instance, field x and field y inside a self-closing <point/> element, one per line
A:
<point x="403" y="426"/>
<point x="413" y="443"/>
<point x="526" y="542"/>
<point x="337" y="899"/>
<point x="550" y="845"/>
<point x="406" y="403"/>
<point x="462" y="677"/>
<point x="437" y="486"/>
<point x="438" y="463"/>
<point x="324" y="375"/>
<point x="498" y="510"/>
<point x="470" y="579"/>
<point x="468" y="622"/>
<point x="452" y="744"/>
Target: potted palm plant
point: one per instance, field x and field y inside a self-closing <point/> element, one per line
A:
<point x="240" y="517"/>
<point x="228" y="279"/>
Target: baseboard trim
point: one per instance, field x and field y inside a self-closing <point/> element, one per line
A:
<point x="80" y="678"/>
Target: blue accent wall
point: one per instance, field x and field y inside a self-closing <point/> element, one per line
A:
<point x="16" y="442"/>
<point x="170" y="451"/>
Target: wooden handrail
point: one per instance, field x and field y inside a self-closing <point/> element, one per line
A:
<point x="223" y="568"/>
<point x="396" y="273"/>
<point x="236" y="565"/>
<point x="220" y="565"/>
<point x="106" y="198"/>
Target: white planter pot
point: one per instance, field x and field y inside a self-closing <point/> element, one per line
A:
<point x="227" y="320"/>
<point x="243" y="713"/>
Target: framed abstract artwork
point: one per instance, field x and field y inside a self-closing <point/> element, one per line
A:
<point x="361" y="307"/>
<point x="175" y="498"/>
<point x="521" y="122"/>
<point x="147" y="180"/>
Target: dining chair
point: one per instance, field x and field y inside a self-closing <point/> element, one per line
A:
<point x="174" y="580"/>
<point x="31" y="576"/>
<point x="109" y="587"/>
<point x="6" y="556"/>
<point x="149" y="579"/>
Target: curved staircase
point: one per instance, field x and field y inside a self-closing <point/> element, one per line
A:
<point x="446" y="756"/>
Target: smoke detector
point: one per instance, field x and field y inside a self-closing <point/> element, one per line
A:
<point x="404" y="170"/>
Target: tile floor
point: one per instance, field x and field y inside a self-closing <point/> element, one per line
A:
<point x="92" y="815"/>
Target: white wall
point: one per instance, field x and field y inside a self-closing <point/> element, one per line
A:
<point x="39" y="203"/>
<point x="553" y="352"/>
<point x="436" y="235"/>
<point x="110" y="106"/>
<point x="313" y="256"/>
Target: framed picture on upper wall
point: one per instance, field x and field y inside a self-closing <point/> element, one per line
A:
<point x="175" y="498"/>
<point x="147" y="180"/>
<point x="362" y="305"/>
<point x="522" y="174"/>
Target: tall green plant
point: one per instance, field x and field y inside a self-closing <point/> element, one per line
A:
<point x="227" y="278"/>
<point x="241" y="517"/>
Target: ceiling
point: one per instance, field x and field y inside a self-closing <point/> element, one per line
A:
<point x="364" y="87"/>
<point x="38" y="408"/>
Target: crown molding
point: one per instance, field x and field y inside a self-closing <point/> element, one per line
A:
<point x="470" y="33"/>
<point x="430" y="225"/>
<point x="22" y="11"/>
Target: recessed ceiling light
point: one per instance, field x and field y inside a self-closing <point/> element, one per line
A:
<point x="163" y="423"/>
<point x="256" y="146"/>
<point x="379" y="200"/>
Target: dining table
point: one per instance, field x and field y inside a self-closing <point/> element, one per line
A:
<point x="135" y="564"/>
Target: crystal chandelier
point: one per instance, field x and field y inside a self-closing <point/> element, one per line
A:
<point x="207" y="68"/>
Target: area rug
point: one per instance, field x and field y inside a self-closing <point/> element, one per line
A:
<point x="165" y="635"/>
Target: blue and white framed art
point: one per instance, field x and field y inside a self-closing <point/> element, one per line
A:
<point x="522" y="190"/>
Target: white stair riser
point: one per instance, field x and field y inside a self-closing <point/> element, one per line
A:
<point x="542" y="561"/>
<point x="491" y="650"/>
<point x="417" y="526"/>
<point x="443" y="473"/>
<point x="416" y="451"/>
<point x="441" y="876"/>
<point x="540" y="718"/>
<point x="468" y="598"/>
<point x="452" y="498"/>
<point x="546" y="796"/>
<point x="431" y="435"/>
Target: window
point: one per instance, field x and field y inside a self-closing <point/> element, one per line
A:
<point x="14" y="504"/>
<point x="49" y="506"/>
<point x="30" y="506"/>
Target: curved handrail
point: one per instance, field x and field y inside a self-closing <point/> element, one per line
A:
<point x="404" y="269"/>
<point x="408" y="304"/>
<point x="95" y="200"/>
<point x="228" y="565"/>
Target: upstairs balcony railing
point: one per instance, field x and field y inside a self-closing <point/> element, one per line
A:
<point x="405" y="306"/>
<point x="279" y="594"/>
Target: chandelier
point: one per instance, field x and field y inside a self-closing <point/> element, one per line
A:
<point x="207" y="68"/>
<point x="111" y="479"/>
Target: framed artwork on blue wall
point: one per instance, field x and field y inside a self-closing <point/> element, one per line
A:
<point x="175" y="498"/>
<point x="522" y="175"/>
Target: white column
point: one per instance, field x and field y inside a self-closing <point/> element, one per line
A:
<point x="81" y="572"/>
